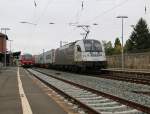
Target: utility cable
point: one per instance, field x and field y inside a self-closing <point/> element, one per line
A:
<point x="109" y="10"/>
<point x="42" y="15"/>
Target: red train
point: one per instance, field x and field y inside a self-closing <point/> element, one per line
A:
<point x="26" y="60"/>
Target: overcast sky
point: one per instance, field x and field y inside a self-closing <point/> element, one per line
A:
<point x="30" y="38"/>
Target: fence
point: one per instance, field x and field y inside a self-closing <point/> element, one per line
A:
<point x="133" y="61"/>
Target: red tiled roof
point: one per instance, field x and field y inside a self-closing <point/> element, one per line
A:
<point x="4" y="36"/>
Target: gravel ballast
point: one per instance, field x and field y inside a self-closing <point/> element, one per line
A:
<point x="117" y="88"/>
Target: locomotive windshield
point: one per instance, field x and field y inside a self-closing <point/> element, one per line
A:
<point x="27" y="57"/>
<point x="92" y="46"/>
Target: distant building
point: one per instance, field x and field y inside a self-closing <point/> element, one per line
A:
<point x="3" y="46"/>
<point x="11" y="57"/>
<point x="3" y="42"/>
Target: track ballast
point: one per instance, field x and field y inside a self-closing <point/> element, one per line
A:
<point x="92" y="101"/>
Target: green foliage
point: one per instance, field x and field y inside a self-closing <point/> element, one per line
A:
<point x="140" y="37"/>
<point x="109" y="50"/>
<point x="117" y="46"/>
<point x="129" y="46"/>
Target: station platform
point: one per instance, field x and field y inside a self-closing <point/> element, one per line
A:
<point x="20" y="94"/>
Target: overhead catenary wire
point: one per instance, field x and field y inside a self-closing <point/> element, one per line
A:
<point x="82" y="5"/>
<point x="145" y="7"/>
<point x="78" y="15"/>
<point x="108" y="11"/>
<point x="40" y="16"/>
<point x="35" y="3"/>
<point x="44" y="10"/>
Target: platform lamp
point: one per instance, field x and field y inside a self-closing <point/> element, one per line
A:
<point x="10" y="62"/>
<point x="43" y="56"/>
<point x="26" y="22"/>
<point x="122" y="17"/>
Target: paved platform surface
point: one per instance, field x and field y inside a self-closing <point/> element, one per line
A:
<point x="11" y="99"/>
<point x="10" y="102"/>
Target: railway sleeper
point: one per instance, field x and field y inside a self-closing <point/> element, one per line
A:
<point x="115" y="109"/>
<point x="132" y="111"/>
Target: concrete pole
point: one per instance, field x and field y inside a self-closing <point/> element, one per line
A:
<point x="122" y="57"/>
<point x="122" y="48"/>
<point x="10" y="62"/>
<point x="43" y="57"/>
<point x="5" y="50"/>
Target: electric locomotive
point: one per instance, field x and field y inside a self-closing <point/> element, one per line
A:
<point x="79" y="55"/>
<point x="82" y="54"/>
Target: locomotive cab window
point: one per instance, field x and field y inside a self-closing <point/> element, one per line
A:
<point x="92" y="46"/>
<point x="97" y="46"/>
<point x="78" y="48"/>
<point x="27" y="57"/>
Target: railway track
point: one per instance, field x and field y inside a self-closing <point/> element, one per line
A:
<point x="133" y="77"/>
<point x="92" y="101"/>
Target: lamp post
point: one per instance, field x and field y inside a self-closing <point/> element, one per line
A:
<point x="25" y="22"/>
<point x="43" y="57"/>
<point x="51" y="23"/>
<point x="122" y="18"/>
<point x="5" y="29"/>
<point x="10" y="62"/>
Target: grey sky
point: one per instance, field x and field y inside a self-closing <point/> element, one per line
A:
<point x="32" y="39"/>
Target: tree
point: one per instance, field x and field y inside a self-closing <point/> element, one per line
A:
<point x="140" y="37"/>
<point x="129" y="46"/>
<point x="117" y="46"/>
<point x="108" y="47"/>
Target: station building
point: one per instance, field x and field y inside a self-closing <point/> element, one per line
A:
<point x="3" y="45"/>
<point x="10" y="56"/>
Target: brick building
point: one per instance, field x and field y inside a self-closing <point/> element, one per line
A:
<point x="3" y="46"/>
<point x="10" y="57"/>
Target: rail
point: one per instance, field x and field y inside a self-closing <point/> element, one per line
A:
<point x="134" y="76"/>
<point x="94" y="105"/>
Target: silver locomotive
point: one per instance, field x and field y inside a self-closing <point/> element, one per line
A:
<point x="79" y="55"/>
